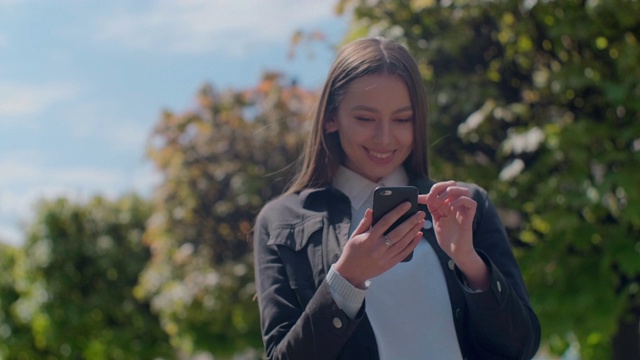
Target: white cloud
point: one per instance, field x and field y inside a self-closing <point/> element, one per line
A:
<point x="25" y="179"/>
<point x="196" y="26"/>
<point x="14" y="169"/>
<point x="4" y="40"/>
<point x="91" y="179"/>
<point x="92" y="120"/>
<point x="17" y="205"/>
<point x="146" y="179"/>
<point x="10" y="234"/>
<point x="84" y="119"/>
<point x="18" y="99"/>
<point x="128" y="137"/>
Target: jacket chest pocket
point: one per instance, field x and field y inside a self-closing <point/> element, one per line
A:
<point x="300" y="247"/>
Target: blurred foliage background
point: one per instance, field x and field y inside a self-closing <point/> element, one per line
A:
<point x="537" y="101"/>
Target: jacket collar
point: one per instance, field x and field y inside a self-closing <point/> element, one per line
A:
<point x="318" y="198"/>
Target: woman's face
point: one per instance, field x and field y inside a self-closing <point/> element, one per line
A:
<point x="374" y="122"/>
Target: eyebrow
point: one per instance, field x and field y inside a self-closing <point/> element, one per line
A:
<point x="374" y="110"/>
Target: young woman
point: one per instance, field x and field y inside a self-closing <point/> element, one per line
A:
<point x="331" y="285"/>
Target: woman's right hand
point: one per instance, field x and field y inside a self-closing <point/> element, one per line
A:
<point x="366" y="255"/>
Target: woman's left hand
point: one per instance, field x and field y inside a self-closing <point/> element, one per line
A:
<point x="452" y="212"/>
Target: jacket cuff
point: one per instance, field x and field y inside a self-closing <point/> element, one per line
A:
<point x="497" y="282"/>
<point x="348" y="297"/>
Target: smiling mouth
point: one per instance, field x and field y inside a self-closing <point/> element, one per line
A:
<point x="380" y="155"/>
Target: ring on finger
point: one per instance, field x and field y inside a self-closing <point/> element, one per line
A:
<point x="387" y="241"/>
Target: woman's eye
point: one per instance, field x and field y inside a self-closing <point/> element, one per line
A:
<point x="363" y="118"/>
<point x="404" y="120"/>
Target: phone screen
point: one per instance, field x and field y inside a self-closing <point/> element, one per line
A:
<point x="386" y="198"/>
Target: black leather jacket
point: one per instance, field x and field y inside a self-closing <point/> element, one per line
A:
<point x="298" y="237"/>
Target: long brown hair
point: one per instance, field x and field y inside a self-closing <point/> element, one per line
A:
<point x="323" y="153"/>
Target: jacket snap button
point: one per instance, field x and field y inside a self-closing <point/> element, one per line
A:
<point x="499" y="286"/>
<point x="337" y="322"/>
<point x="427" y="224"/>
<point x="452" y="265"/>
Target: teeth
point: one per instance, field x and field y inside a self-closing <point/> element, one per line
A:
<point x="380" y="155"/>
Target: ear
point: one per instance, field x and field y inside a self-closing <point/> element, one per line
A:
<point x="331" y="125"/>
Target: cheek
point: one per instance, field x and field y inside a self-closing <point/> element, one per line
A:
<point x="407" y="137"/>
<point x="352" y="137"/>
<point x="344" y="138"/>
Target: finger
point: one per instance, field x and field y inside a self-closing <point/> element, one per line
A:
<point x="432" y="199"/>
<point x="408" y="227"/>
<point x="365" y="223"/>
<point x="436" y="189"/>
<point x="387" y="220"/>
<point x="465" y="209"/>
<point x="401" y="241"/>
<point x="464" y="202"/>
<point x="437" y="203"/>
<point x="453" y="192"/>
<point x="407" y="249"/>
<point x="439" y="187"/>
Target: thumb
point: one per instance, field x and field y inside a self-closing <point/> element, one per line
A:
<point x="365" y="223"/>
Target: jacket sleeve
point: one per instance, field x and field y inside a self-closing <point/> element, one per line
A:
<point x="318" y="330"/>
<point x="501" y="318"/>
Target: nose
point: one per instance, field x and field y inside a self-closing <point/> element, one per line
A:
<point x="383" y="133"/>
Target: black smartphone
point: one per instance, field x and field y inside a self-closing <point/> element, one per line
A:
<point x="386" y="198"/>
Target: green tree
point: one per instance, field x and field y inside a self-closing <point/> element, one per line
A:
<point x="15" y="338"/>
<point x="74" y="279"/>
<point x="538" y="102"/>
<point x="220" y="162"/>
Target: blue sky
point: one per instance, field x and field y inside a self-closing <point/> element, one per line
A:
<point x="83" y="82"/>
